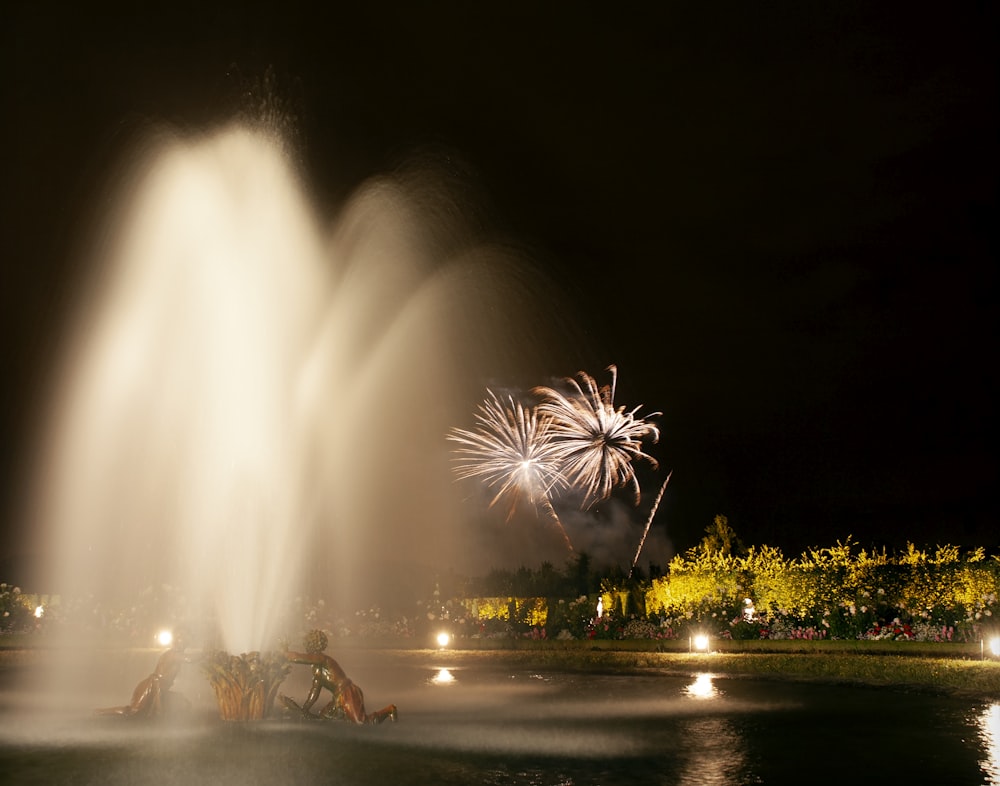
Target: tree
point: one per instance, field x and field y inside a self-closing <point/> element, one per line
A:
<point x="721" y="539"/>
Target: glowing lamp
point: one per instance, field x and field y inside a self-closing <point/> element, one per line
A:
<point x="39" y="611"/>
<point x="995" y="646"/>
<point x="164" y="638"/>
<point x="700" y="642"/>
<point x="443" y="639"/>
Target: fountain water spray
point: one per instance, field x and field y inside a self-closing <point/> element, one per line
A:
<point x="181" y="436"/>
<point x="245" y="382"/>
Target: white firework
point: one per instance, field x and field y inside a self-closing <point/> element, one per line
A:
<point x="511" y="450"/>
<point x="596" y="443"/>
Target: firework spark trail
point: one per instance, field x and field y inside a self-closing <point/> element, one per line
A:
<point x="649" y="522"/>
<point x="512" y="449"/>
<point x="596" y="443"/>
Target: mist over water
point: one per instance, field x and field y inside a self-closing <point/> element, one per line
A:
<point x="468" y="719"/>
<point x="254" y="398"/>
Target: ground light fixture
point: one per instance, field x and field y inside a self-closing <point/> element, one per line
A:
<point x="994" y="646"/>
<point x="164" y="638"/>
<point x="699" y="642"/>
<point x="443" y="639"/>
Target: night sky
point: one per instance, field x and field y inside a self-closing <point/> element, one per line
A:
<point x="776" y="219"/>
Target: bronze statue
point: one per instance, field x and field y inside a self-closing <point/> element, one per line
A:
<point x="152" y="696"/>
<point x="348" y="702"/>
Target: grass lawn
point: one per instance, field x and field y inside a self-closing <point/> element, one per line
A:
<point x="927" y="666"/>
<point x="937" y="674"/>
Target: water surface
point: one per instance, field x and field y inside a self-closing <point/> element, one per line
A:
<point x="470" y="723"/>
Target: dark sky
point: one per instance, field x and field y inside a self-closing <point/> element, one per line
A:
<point x="775" y="218"/>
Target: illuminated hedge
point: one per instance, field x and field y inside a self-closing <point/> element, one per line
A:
<point x="697" y="582"/>
<point x="527" y="611"/>
<point x="838" y="591"/>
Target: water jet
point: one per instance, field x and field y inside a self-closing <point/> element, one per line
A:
<point x="243" y="380"/>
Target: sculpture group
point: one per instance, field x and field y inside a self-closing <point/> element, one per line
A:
<point x="246" y="686"/>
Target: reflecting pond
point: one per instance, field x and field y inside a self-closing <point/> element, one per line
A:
<point x="468" y="721"/>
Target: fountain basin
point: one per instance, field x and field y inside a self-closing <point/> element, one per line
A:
<point x="472" y="718"/>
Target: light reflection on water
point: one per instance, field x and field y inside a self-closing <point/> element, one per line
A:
<point x="463" y="721"/>
<point x="989" y="733"/>
<point x="443" y="677"/>
<point x="703" y="687"/>
<point x="722" y="757"/>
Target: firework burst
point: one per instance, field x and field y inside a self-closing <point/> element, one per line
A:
<point x="596" y="443"/>
<point x="649" y="522"/>
<point x="511" y="450"/>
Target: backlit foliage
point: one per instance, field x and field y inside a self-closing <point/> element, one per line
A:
<point x="526" y="611"/>
<point x="840" y="592"/>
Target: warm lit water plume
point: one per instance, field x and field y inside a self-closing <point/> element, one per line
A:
<point x="255" y="399"/>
